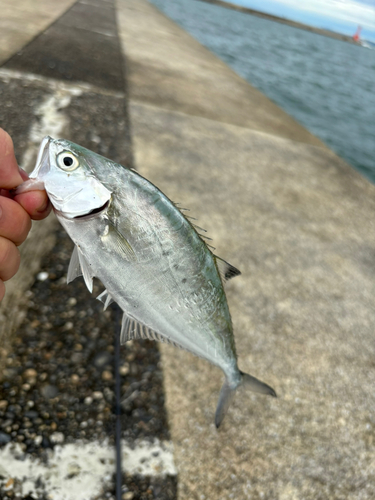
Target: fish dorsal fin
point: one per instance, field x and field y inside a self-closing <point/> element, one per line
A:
<point x="133" y="329"/>
<point x="105" y="298"/>
<point x="226" y="270"/>
<point x="86" y="270"/>
<point x="74" y="269"/>
<point x="116" y="242"/>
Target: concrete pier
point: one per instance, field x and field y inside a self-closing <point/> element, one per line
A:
<point x="299" y="224"/>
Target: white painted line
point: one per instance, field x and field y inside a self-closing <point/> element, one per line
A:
<point x="7" y="74"/>
<point x="79" y="471"/>
<point x="52" y="121"/>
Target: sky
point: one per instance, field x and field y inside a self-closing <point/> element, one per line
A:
<point x="342" y="16"/>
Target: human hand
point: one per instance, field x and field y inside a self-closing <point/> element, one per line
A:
<point x="16" y="211"/>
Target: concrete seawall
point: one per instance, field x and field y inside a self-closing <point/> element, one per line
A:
<point x="299" y="223"/>
<point x="282" y="20"/>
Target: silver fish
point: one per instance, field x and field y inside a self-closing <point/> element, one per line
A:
<point x="147" y="254"/>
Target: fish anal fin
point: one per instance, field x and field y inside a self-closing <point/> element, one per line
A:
<point x="131" y="329"/>
<point x="105" y="298"/>
<point x="74" y="269"/>
<point x="226" y="270"/>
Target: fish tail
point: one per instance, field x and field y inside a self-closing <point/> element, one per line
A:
<point x="228" y="391"/>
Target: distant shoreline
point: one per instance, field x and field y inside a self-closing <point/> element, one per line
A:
<point x="294" y="24"/>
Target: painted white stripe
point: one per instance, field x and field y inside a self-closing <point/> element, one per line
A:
<point x="51" y="117"/>
<point x="8" y="74"/>
<point x="79" y="471"/>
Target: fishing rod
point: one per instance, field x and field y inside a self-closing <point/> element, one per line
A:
<point x="118" y="402"/>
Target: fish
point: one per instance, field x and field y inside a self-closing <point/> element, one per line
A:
<point x="151" y="259"/>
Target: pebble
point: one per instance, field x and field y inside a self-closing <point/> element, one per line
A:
<point x="42" y="276"/>
<point x="76" y="358"/>
<point x="9" y="485"/>
<point x="49" y="391"/>
<point x="124" y="369"/>
<point x="107" y="375"/>
<point x="38" y="440"/>
<point x="30" y="373"/>
<point x="3" y="404"/>
<point x="127" y="496"/>
<point x="57" y="437"/>
<point x="88" y="400"/>
<point x="102" y="359"/>
<point x="4" y="438"/>
<point x="31" y="414"/>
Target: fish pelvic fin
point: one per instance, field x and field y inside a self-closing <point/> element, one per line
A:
<point x="227" y="394"/>
<point x="78" y="266"/>
<point x="74" y="269"/>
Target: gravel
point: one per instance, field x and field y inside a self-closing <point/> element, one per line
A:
<point x="58" y="383"/>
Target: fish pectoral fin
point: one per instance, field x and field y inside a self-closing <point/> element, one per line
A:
<point x="105" y="298"/>
<point x="116" y="242"/>
<point x="227" y="394"/>
<point x="226" y="270"/>
<point x="133" y="329"/>
<point x="74" y="269"/>
<point x="86" y="270"/>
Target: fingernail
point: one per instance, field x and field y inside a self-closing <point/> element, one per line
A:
<point x="23" y="174"/>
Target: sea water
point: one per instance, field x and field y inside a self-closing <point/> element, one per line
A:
<point x="327" y="85"/>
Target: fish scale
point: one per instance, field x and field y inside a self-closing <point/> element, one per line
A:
<point x="147" y="254"/>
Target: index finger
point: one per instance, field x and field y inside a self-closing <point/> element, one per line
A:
<point x="10" y="176"/>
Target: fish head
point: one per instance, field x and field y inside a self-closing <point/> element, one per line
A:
<point x="69" y="175"/>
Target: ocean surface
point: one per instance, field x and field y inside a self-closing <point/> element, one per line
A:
<point x="327" y="85"/>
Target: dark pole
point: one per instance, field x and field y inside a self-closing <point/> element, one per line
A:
<point x="118" y="403"/>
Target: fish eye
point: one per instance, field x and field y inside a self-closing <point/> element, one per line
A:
<point x="67" y="161"/>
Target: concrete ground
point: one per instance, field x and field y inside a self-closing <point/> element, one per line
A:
<point x="22" y="20"/>
<point x="298" y="222"/>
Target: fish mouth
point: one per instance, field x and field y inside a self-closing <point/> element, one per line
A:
<point x="42" y="166"/>
<point x="94" y="212"/>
